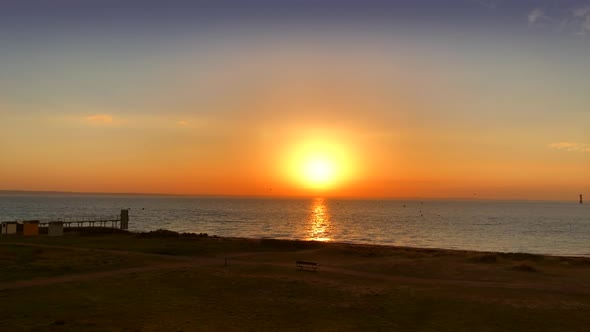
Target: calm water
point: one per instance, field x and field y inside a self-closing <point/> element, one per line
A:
<point x="510" y="226"/>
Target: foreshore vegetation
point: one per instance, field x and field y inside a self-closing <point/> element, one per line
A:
<point x="166" y="281"/>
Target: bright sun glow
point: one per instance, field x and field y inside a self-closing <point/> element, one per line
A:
<point x="320" y="165"/>
<point x="319" y="170"/>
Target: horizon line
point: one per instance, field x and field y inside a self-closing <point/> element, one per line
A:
<point x="87" y="193"/>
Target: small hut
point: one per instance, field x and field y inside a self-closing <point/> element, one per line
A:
<point x="9" y="227"/>
<point x="124" y="219"/>
<point x="31" y="228"/>
<point x="55" y="228"/>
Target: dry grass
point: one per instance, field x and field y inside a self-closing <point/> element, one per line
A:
<point x="27" y="262"/>
<point x="524" y="267"/>
<point x="357" y="288"/>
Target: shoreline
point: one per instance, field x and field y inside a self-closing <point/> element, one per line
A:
<point x="369" y="245"/>
<point x="165" y="233"/>
<point x="401" y="247"/>
<point x="87" y="231"/>
<point x="454" y="251"/>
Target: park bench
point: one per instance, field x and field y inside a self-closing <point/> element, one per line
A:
<point x="307" y="265"/>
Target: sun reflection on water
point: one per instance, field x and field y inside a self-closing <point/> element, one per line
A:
<point x="319" y="226"/>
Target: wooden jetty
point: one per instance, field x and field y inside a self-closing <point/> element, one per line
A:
<point x="120" y="221"/>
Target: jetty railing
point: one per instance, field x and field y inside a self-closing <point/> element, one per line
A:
<point x="120" y="221"/>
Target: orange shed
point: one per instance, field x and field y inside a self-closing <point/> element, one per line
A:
<point x="30" y="228"/>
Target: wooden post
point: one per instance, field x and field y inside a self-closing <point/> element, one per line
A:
<point x="124" y="219"/>
<point x="581" y="201"/>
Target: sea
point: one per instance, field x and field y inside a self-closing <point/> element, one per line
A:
<point x="542" y="227"/>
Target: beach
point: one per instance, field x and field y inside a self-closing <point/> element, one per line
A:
<point x="164" y="281"/>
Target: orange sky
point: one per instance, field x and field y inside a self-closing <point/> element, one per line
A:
<point x="260" y="155"/>
<point x="396" y="114"/>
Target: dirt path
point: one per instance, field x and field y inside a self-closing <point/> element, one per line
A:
<point x="103" y="274"/>
<point x="108" y="251"/>
<point x="175" y="262"/>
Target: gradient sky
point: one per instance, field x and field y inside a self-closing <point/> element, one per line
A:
<point x="420" y="98"/>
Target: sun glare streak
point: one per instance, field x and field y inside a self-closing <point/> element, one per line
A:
<point x="319" y="225"/>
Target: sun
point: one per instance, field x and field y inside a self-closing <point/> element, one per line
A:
<point x="319" y="165"/>
<point x="319" y="170"/>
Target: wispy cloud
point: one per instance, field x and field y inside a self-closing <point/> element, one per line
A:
<point x="192" y="122"/>
<point x="581" y="12"/>
<point x="570" y="146"/>
<point x="536" y="15"/>
<point x="580" y="20"/>
<point x="100" y="119"/>
<point x="574" y="20"/>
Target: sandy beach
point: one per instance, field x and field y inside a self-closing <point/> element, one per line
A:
<point x="165" y="282"/>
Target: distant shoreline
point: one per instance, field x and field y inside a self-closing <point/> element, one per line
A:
<point x="436" y="199"/>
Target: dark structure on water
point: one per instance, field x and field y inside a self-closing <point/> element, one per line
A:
<point x="56" y="226"/>
<point x="581" y="201"/>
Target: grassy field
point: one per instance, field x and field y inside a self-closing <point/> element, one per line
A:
<point x="164" y="282"/>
